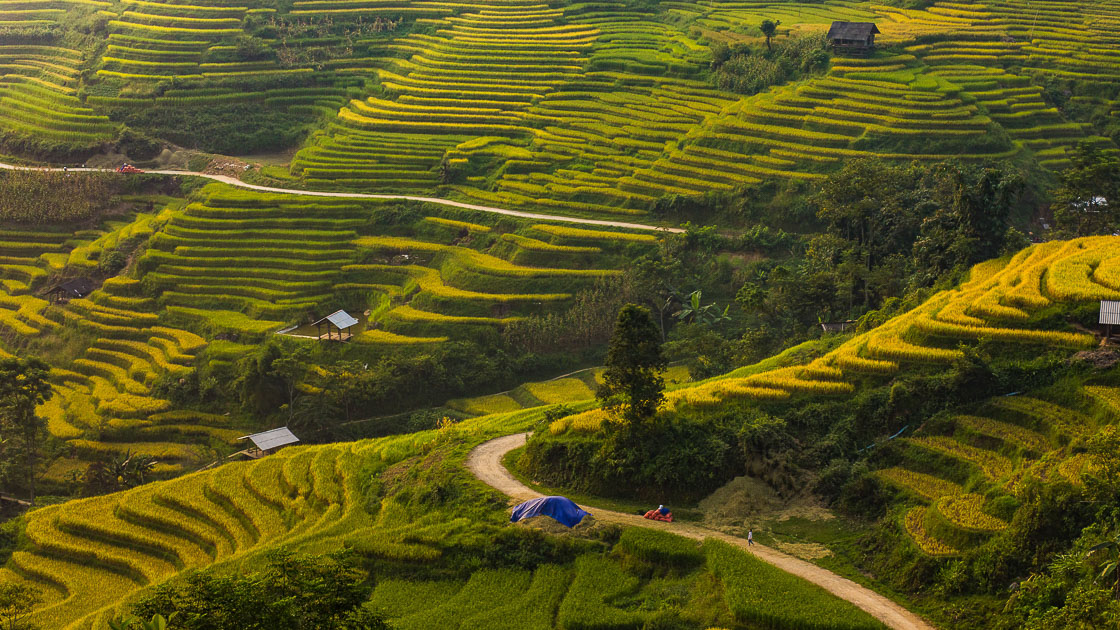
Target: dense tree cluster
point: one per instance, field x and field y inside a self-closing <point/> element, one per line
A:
<point x="1088" y="200"/>
<point x="295" y="591"/>
<point x="747" y="69"/>
<point x="887" y="230"/>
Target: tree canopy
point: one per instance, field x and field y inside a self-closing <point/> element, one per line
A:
<point x="632" y="383"/>
<point x="24" y="385"/>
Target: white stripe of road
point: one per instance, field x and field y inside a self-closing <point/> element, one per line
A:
<point x="232" y="181"/>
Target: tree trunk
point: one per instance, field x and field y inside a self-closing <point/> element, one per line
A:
<point x="29" y="443"/>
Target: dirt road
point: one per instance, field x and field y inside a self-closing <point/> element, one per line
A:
<point x="485" y="462"/>
<point x="233" y="181"/>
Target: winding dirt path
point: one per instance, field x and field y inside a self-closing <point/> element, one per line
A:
<point x="233" y="181"/>
<point x="485" y="462"/>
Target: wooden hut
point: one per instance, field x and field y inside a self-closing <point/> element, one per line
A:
<point x="69" y="290"/>
<point x="339" y="322"/>
<point x="856" y="39"/>
<point x="1110" y="316"/>
<point x="268" y="442"/>
<point x="837" y="327"/>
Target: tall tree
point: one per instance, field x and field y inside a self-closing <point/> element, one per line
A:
<point x="23" y="387"/>
<point x="769" y="28"/>
<point x="632" y="383"/>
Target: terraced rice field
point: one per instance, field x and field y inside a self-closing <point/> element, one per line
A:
<point x="1016" y="437"/>
<point x="106" y="390"/>
<point x="89" y="557"/>
<point x="39" y="94"/>
<point x="249" y="264"/>
<point x="996" y="303"/>
<point x="1015" y="434"/>
<point x="592" y="110"/>
<point x="154" y="40"/>
<point x="572" y="389"/>
<point x="578" y="108"/>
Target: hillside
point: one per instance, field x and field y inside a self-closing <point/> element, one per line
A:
<point x="585" y="108"/>
<point x="954" y="423"/>
<point x="961" y="476"/>
<point x="867" y="288"/>
<point x="211" y="280"/>
<point x="90" y="557"/>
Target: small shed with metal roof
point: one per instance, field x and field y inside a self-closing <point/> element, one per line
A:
<point x="72" y="289"/>
<point x="1110" y="316"/>
<point x="837" y="327"/>
<point x="339" y="322"/>
<point x="853" y="38"/>
<point x="268" y="442"/>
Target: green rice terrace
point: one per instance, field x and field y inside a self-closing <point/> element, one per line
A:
<point x="581" y="108"/>
<point x="811" y="305"/>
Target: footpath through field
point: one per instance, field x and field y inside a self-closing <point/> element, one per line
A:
<point x="233" y="181"/>
<point x="485" y="462"/>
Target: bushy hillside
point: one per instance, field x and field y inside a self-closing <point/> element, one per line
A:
<point x="583" y="108"/>
<point x="975" y="430"/>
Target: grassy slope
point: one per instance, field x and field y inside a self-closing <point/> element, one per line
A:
<point x="315" y="499"/>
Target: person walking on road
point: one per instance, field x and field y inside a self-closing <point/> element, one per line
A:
<point x="750" y="537"/>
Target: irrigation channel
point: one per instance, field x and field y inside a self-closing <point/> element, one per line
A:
<point x="485" y="462"/>
<point x="233" y="181"/>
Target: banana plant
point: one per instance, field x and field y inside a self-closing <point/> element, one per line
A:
<point x="1110" y="566"/>
<point x="157" y="622"/>
<point x="693" y="311"/>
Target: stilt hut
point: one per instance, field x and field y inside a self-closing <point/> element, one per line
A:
<point x="63" y="292"/>
<point x="856" y="39"/>
<point x="268" y="442"/>
<point x="337" y="323"/>
<point x="1110" y="316"/>
<point x="837" y="327"/>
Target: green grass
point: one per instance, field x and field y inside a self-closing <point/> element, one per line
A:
<point x="753" y="589"/>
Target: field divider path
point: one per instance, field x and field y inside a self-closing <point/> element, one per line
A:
<point x="485" y="462"/>
<point x="233" y="181"/>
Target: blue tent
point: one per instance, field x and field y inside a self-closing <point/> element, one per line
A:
<point x="560" y="508"/>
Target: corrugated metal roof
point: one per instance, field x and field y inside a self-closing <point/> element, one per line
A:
<point x="852" y="30"/>
<point x="271" y="439"/>
<point x="341" y="319"/>
<point x="1110" y="312"/>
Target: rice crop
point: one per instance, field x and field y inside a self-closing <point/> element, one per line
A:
<point x="913" y="523"/>
<point x="994" y="465"/>
<point x="925" y="486"/>
<point x="966" y="511"/>
<point x="750" y="585"/>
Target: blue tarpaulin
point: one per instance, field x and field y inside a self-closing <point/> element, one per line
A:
<point x="560" y="508"/>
